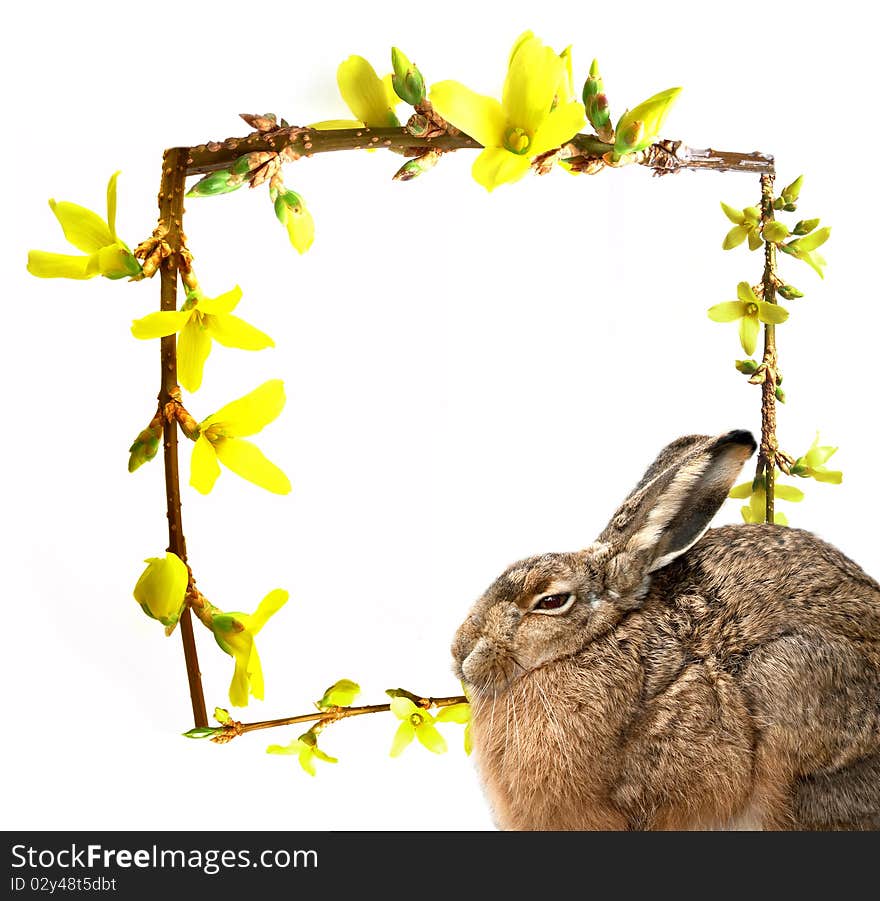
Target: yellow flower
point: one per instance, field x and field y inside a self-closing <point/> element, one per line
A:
<point x="746" y="224"/>
<point x="161" y="589"/>
<point x="221" y="437"/>
<point x="105" y="254"/>
<point x="750" y="311"/>
<point x="339" y="694"/>
<point x="805" y="249"/>
<point x="812" y="464"/>
<point x="371" y="99"/>
<point x="530" y="119"/>
<point x="756" y="509"/>
<point x="416" y="723"/>
<point x="458" y="713"/>
<point x="638" y="128"/>
<point x="235" y="633"/>
<point x="199" y="320"/>
<point x="306" y="748"/>
<point x="293" y="214"/>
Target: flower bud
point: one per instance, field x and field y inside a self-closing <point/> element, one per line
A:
<point x="640" y="127"/>
<point x="291" y="211"/>
<point x="805" y="226"/>
<point x="340" y="694"/>
<point x="746" y="367"/>
<point x="417" y="166"/>
<point x="596" y="103"/>
<point x="791" y="192"/>
<point x="774" y="231"/>
<point x="161" y="589"/>
<point x="221" y="182"/>
<point x="780" y="395"/>
<point x="407" y="80"/>
<point x="789" y="292"/>
<point x="145" y="446"/>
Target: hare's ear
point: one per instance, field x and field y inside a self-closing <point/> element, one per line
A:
<point x="671" y="507"/>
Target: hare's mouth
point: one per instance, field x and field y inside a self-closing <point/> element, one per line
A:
<point x="490" y="669"/>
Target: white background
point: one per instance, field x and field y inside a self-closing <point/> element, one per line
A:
<point x="470" y="378"/>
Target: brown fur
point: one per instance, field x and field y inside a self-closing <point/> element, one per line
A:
<point x="738" y="686"/>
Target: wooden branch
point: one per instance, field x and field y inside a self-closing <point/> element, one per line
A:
<point x="298" y="142"/>
<point x="769" y="442"/>
<point x="170" y="232"/>
<point x="331" y="715"/>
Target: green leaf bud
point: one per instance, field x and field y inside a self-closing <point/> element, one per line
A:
<point x="407" y="81"/>
<point x="223" y="181"/>
<point x="791" y="192"/>
<point x="805" y="226"/>
<point x="789" y="292"/>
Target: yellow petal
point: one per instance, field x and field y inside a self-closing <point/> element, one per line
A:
<point x="496" y="166"/>
<point x="224" y="303"/>
<point x="336" y="124"/>
<point x="771" y="312"/>
<point x="238" y="688"/>
<point x="300" y="228"/>
<point x="745" y="293"/>
<point x="320" y="755"/>
<point x="249" y="414"/>
<point x="748" y="333"/>
<point x="560" y="126"/>
<point x="193" y="347"/>
<point x="269" y="606"/>
<point x="405" y="734"/>
<point x="364" y="93"/>
<point x="565" y="89"/>
<point x="652" y="114"/>
<point x="788" y="493"/>
<point x="247" y="460"/>
<point x="478" y="116"/>
<point x="457" y="713"/>
<point x="391" y="97"/>
<point x="742" y="491"/>
<point x="530" y="86"/>
<point x="428" y="735"/>
<point x="255" y="674"/>
<point x="525" y="36"/>
<point x="306" y="759"/>
<point x="117" y="261"/>
<point x="111" y="204"/>
<point x="729" y="311"/>
<point x="59" y="265"/>
<point x="160" y="325"/>
<point x="86" y="230"/>
<point x="230" y="331"/>
<point x="403" y="708"/>
<point x="204" y="467"/>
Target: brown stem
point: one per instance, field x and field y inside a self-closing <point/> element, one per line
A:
<point x="170" y="220"/>
<point x="336" y="713"/>
<point x="299" y="142"/>
<point x="769" y="443"/>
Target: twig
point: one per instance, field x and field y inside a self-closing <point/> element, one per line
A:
<point x="170" y="228"/>
<point x="297" y="142"/>
<point x="769" y="443"/>
<point x="331" y="715"/>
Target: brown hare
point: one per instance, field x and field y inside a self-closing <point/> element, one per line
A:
<point x="669" y="677"/>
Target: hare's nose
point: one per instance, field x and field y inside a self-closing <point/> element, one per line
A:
<point x="474" y="665"/>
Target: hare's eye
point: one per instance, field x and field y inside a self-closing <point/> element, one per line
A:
<point x="554" y="603"/>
